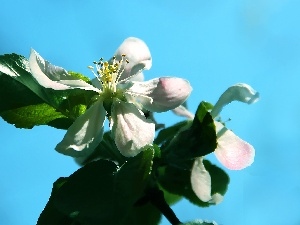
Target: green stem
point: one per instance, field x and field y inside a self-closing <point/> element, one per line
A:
<point x="157" y="199"/>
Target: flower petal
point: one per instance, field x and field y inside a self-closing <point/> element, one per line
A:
<point x="182" y="111"/>
<point x="138" y="55"/>
<point x="55" y="77"/>
<point x="160" y="94"/>
<point x="131" y="130"/>
<point x="239" y="92"/>
<point x="216" y="198"/>
<point x="233" y="152"/>
<point x="84" y="135"/>
<point x="201" y="180"/>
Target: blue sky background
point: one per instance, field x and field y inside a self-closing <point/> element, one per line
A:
<point x="213" y="44"/>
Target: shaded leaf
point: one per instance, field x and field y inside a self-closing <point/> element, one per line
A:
<point x="198" y="140"/>
<point x="170" y="198"/>
<point x="219" y="178"/>
<point x="145" y="214"/>
<point x="14" y="95"/>
<point x="177" y="181"/>
<point x="50" y="214"/>
<point x="165" y="135"/>
<point x="102" y="193"/>
<point x="107" y="149"/>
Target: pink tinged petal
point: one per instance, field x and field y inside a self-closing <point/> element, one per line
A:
<point x="84" y="135"/>
<point x="233" y="152"/>
<point x="182" y="111"/>
<point x="239" y="92"/>
<point x="201" y="180"/>
<point x="160" y="94"/>
<point x="55" y="77"/>
<point x="131" y="130"/>
<point x="138" y="55"/>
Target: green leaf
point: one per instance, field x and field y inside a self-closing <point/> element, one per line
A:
<point x="170" y="198"/>
<point x="177" y="181"/>
<point x="198" y="140"/>
<point x="19" y="89"/>
<point x="202" y="110"/>
<point x="165" y="135"/>
<point x="145" y="214"/>
<point x="108" y="150"/>
<point x="80" y="76"/>
<point x="32" y="115"/>
<point x="14" y="95"/>
<point x="200" y="222"/>
<point x="219" y="178"/>
<point x="50" y="214"/>
<point x="103" y="193"/>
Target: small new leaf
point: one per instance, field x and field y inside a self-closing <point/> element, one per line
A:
<point x="197" y="140"/>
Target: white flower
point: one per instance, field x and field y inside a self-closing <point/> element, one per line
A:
<point x="233" y="152"/>
<point x="120" y="98"/>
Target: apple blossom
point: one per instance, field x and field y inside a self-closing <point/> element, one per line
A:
<point x="120" y="97"/>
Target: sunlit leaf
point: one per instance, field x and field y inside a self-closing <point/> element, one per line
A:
<point x="19" y="92"/>
<point x="32" y="115"/>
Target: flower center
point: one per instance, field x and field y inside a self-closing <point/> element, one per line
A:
<point x="109" y="73"/>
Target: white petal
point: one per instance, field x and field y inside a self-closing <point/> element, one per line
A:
<point x="131" y="130"/>
<point x="84" y="135"/>
<point x="80" y="84"/>
<point x="233" y="152"/>
<point x="166" y="93"/>
<point x="182" y="111"/>
<point x="201" y="180"/>
<point x="239" y="92"/>
<point x="55" y="77"/>
<point x="216" y="198"/>
<point x="138" y="55"/>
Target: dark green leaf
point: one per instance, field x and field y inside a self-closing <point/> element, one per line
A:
<point x="198" y="140"/>
<point x="165" y="135"/>
<point x="219" y="178"/>
<point x="50" y="214"/>
<point x="14" y="95"/>
<point x="108" y="150"/>
<point x="177" y="181"/>
<point x="142" y="215"/>
<point x="202" y="110"/>
<point x="102" y="193"/>
<point x="170" y="198"/>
